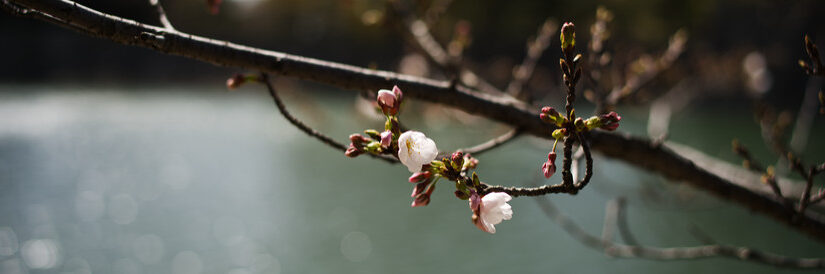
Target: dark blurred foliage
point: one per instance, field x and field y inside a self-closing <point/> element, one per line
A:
<point x="359" y="32"/>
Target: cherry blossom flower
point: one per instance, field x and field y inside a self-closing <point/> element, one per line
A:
<point x="416" y="150"/>
<point x="490" y="210"/>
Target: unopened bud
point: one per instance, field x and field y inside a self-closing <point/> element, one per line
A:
<point x="568" y="37"/>
<point x="358" y="140"/>
<point x="235" y="81"/>
<point x="593" y="122"/>
<point x="420" y="176"/>
<point x="423" y="199"/>
<point x="387" y="101"/>
<point x="559" y="133"/>
<point x="579" y="123"/>
<point x="549" y="167"/>
<point x="352" y="152"/>
<point x="386" y="139"/>
<point x="610" y="121"/>
<point x="419" y="188"/>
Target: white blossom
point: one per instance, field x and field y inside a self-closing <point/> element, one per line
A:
<point x="415" y="150"/>
<point x="491" y="210"/>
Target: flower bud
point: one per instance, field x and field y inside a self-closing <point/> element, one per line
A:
<point x="358" y="140"/>
<point x="579" y="123"/>
<point x="559" y="133"/>
<point x="549" y="167"/>
<point x="568" y="38"/>
<point x="469" y="162"/>
<point x="419" y="188"/>
<point x="423" y="199"/>
<point x="457" y="159"/>
<point x="593" y="122"/>
<point x="236" y="81"/>
<point x="386" y="139"/>
<point x="420" y="176"/>
<point x="610" y="121"/>
<point x="386" y="100"/>
<point x="352" y="152"/>
<point x="550" y="115"/>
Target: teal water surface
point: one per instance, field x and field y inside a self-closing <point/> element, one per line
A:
<point x="185" y="180"/>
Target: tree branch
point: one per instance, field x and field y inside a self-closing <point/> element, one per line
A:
<point x="614" y="249"/>
<point x="633" y="150"/>
<point x="307" y="129"/>
<point x="164" y="21"/>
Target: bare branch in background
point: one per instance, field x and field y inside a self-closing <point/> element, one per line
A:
<point x="522" y="73"/>
<point x="164" y="21"/>
<point x="648" y="68"/>
<point x="631" y="250"/>
<point x="492" y="143"/>
<point x="805" y="116"/>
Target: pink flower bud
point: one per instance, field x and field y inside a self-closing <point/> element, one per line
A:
<point x="389" y="101"/>
<point x="423" y="199"/>
<point x="386" y="139"/>
<point x="399" y="96"/>
<point x="420" y="176"/>
<point x="549" y="167"/>
<point x="352" y="152"/>
<point x="568" y="37"/>
<point x="610" y="121"/>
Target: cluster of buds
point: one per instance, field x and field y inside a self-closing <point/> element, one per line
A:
<point x="424" y="186"/>
<point x="568" y="47"/>
<point x="385" y="142"/>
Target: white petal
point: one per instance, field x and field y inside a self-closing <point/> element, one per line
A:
<point x="415" y="150"/>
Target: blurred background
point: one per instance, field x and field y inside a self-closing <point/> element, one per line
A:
<point x="117" y="159"/>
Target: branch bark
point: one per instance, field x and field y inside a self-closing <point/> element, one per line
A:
<point x="633" y="150"/>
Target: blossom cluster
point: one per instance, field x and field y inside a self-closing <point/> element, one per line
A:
<point x="418" y="153"/>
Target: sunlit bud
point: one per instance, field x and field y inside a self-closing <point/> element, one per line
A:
<point x="352" y="152"/>
<point x="550" y="115"/>
<point x="358" y="140"/>
<point x="549" y="167"/>
<point x="387" y="101"/>
<point x="374" y="134"/>
<point x="386" y="139"/>
<point x="559" y="133"/>
<point x="568" y="37"/>
<point x="610" y="121"/>
<point x="399" y="96"/>
<point x="419" y="188"/>
<point x="593" y="122"/>
<point x="423" y="199"/>
<point x="236" y="81"/>
<point x="470" y="162"/>
<point x="457" y="159"/>
<point x="373" y="147"/>
<point x="420" y="176"/>
<point x="579" y="123"/>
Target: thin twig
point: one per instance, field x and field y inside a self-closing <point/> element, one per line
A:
<point x="164" y="21"/>
<point x="492" y="143"/>
<point x="535" y="49"/>
<point x="618" y="250"/>
<point x="303" y="127"/>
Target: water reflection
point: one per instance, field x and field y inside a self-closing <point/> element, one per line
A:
<point x="170" y="182"/>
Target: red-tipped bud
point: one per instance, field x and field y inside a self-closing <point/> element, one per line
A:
<point x="550" y="115"/>
<point x="358" y="140"/>
<point x="386" y="139"/>
<point x="549" y="167"/>
<point x="610" y="121"/>
<point x="390" y="101"/>
<point x="423" y="199"/>
<point x="559" y="133"/>
<point x="236" y="81"/>
<point x="352" y="152"/>
<point x="420" y="177"/>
